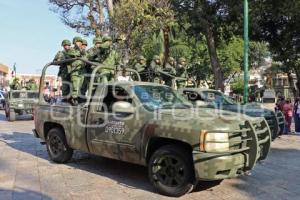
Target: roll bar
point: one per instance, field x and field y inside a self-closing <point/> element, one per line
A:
<point x="97" y="67"/>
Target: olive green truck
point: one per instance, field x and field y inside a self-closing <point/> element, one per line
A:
<point x="151" y="125"/>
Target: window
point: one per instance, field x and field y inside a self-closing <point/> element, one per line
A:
<point x="192" y="96"/>
<point x="113" y="95"/>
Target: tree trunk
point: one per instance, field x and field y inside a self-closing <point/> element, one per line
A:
<point x="110" y="6"/>
<point x="292" y="83"/>
<point x="218" y="76"/>
<point x="166" y="33"/>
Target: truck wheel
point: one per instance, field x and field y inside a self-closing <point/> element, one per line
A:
<point x="171" y="171"/>
<point x="11" y="116"/>
<point x="57" y="147"/>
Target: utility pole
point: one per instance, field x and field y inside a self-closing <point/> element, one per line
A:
<point x="246" y="51"/>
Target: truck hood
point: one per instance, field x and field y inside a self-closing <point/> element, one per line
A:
<point x="250" y="110"/>
<point x="204" y="119"/>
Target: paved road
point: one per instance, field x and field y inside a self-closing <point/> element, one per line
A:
<point x="26" y="173"/>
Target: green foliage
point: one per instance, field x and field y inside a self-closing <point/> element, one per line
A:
<point x="237" y="86"/>
<point x="231" y="56"/>
<point x="137" y="20"/>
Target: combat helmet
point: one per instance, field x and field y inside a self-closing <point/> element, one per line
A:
<point x="84" y="42"/>
<point x="171" y="59"/>
<point x="141" y="58"/>
<point x="97" y="40"/>
<point x="156" y="57"/>
<point x="77" y="39"/>
<point x="66" y="42"/>
<point x="106" y="38"/>
<point x="182" y="59"/>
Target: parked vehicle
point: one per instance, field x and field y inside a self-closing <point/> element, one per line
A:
<point x="20" y="102"/>
<point x="216" y="99"/>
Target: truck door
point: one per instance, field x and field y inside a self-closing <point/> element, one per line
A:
<point x="114" y="135"/>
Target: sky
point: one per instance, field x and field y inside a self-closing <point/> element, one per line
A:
<point x="30" y="34"/>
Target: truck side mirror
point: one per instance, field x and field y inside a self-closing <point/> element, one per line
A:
<point x="123" y="107"/>
<point x="201" y="104"/>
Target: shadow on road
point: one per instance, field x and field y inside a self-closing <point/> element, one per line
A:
<point x="18" y="117"/>
<point x="21" y="193"/>
<point x="276" y="178"/>
<point x="125" y="174"/>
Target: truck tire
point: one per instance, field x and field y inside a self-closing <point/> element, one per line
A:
<point x="57" y="147"/>
<point x="171" y="171"/>
<point x="11" y="115"/>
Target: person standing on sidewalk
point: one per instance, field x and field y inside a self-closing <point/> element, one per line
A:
<point x="288" y="113"/>
<point x="297" y="115"/>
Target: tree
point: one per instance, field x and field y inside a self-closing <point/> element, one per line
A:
<point x="139" y="20"/>
<point x="238" y="86"/>
<point x="216" y="20"/>
<point x="278" y="23"/>
<point x="86" y="16"/>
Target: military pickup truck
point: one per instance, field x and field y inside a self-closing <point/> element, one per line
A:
<point x="151" y="125"/>
<point x="20" y="102"/>
<point x="216" y="99"/>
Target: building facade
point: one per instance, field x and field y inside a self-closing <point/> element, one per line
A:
<point x="4" y="77"/>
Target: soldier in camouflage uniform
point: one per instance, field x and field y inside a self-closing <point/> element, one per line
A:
<point x="108" y="57"/>
<point x="77" y="70"/>
<point x="181" y="73"/>
<point x="156" y="66"/>
<point x="141" y="68"/>
<point x="64" y="69"/>
<point x="84" y="45"/>
<point x="169" y="69"/>
<point x="16" y="84"/>
<point x="32" y="85"/>
<point x="92" y="54"/>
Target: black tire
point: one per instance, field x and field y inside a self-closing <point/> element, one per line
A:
<point x="57" y="147"/>
<point x="11" y="115"/>
<point x="168" y="180"/>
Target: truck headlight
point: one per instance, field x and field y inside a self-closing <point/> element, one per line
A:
<point x="20" y="105"/>
<point x="214" y="142"/>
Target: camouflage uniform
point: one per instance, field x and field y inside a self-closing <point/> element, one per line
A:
<point x="64" y="69"/>
<point x="169" y="69"/>
<point x="181" y="73"/>
<point x="141" y="68"/>
<point x="156" y="66"/>
<point x="108" y="57"/>
<point x="92" y="54"/>
<point x="16" y="84"/>
<point x="77" y="69"/>
<point x="84" y="44"/>
<point x="32" y="85"/>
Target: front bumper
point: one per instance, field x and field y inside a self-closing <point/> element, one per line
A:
<point x="217" y="168"/>
<point x="247" y="146"/>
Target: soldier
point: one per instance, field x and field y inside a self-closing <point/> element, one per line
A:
<point x="64" y="69"/>
<point x="93" y="53"/>
<point x="84" y="45"/>
<point x="141" y="68"/>
<point x="169" y="69"/>
<point x="181" y="73"/>
<point x="16" y="84"/>
<point x="109" y="57"/>
<point x="77" y="70"/>
<point x="32" y="85"/>
<point x="156" y="66"/>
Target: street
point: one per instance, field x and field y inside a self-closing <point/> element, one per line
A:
<point x="27" y="173"/>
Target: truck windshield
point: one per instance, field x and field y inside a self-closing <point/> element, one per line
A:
<point x="160" y="97"/>
<point x="25" y="95"/>
<point x="217" y="98"/>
